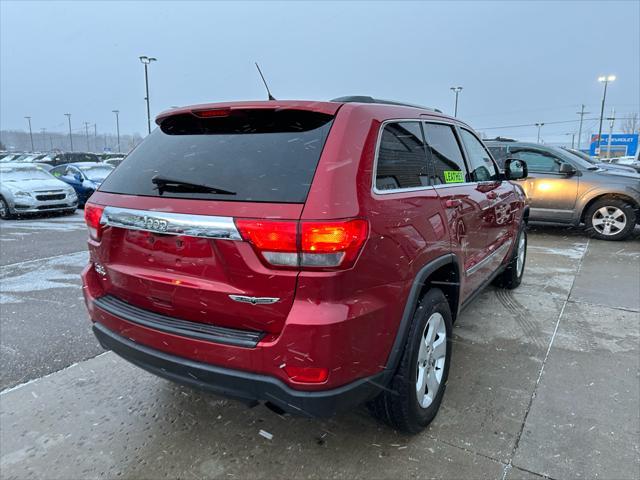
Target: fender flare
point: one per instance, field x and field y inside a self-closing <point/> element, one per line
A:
<point x="593" y="195"/>
<point x="397" y="349"/>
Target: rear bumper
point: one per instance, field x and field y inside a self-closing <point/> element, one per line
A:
<point x="239" y="384"/>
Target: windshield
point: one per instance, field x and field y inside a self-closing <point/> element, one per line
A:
<point x="20" y="174"/>
<point x="581" y="155"/>
<point x="96" y="173"/>
<point x="575" y="159"/>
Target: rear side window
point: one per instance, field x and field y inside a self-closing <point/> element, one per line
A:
<point x="482" y="168"/>
<point x="245" y="155"/>
<point x="446" y="157"/>
<point x="402" y="161"/>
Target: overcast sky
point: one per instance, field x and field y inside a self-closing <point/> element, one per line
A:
<point x="518" y="62"/>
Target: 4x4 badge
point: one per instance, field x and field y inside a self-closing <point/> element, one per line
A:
<point x="253" y="300"/>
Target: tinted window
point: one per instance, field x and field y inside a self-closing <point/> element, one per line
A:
<point x="481" y="167"/>
<point x="537" y="161"/>
<point x="402" y="161"/>
<point x="445" y="155"/>
<point x="258" y="155"/>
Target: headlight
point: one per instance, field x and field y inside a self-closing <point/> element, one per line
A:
<point x="20" y="193"/>
<point x="71" y="194"/>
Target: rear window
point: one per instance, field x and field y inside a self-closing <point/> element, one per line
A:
<point x="249" y="155"/>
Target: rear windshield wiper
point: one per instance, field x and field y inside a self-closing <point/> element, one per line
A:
<point x="164" y="184"/>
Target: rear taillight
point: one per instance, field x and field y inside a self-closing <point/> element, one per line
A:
<point x="319" y="245"/>
<point x="92" y="216"/>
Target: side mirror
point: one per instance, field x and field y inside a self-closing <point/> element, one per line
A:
<point x="567" y="169"/>
<point x="78" y="177"/>
<point x="515" y="169"/>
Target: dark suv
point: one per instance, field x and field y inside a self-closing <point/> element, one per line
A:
<point x="564" y="188"/>
<point x="309" y="255"/>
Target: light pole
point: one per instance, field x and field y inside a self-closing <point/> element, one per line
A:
<point x="30" y="133"/>
<point x="539" y="125"/>
<point x="117" y="112"/>
<point x="612" y="118"/>
<point x="146" y="61"/>
<point x="573" y="138"/>
<point x="68" y="115"/>
<point x="603" y="79"/>
<point x="457" y="91"/>
<point x="86" y="132"/>
<point x="582" y="113"/>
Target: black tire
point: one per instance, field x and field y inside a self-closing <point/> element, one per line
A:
<point x="399" y="405"/>
<point x="511" y="277"/>
<point x="604" y="210"/>
<point x="5" y="213"/>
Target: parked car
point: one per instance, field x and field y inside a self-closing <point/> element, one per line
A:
<point x="597" y="162"/>
<point x="563" y="188"/>
<point x="56" y="159"/>
<point x="311" y="255"/>
<point x="84" y="177"/>
<point x="114" y="162"/>
<point x="26" y="188"/>
<point x="112" y="155"/>
<point x="9" y="157"/>
<point x="628" y="161"/>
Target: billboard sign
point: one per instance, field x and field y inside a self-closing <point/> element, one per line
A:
<point x="622" y="144"/>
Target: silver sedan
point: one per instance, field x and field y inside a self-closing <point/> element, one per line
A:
<point x="26" y="188"/>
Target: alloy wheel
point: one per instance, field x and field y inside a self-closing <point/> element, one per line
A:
<point x="522" y="252"/>
<point x="431" y="359"/>
<point x="609" y="220"/>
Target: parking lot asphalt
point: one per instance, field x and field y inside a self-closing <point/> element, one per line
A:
<point x="544" y="383"/>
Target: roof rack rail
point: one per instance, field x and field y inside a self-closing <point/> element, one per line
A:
<point x="367" y="99"/>
<point x="499" y="139"/>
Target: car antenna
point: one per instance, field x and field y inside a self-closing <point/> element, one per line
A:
<point x="271" y="97"/>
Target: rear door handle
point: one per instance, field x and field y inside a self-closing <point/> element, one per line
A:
<point x="453" y="203"/>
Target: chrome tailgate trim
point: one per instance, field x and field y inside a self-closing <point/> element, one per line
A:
<point x="168" y="223"/>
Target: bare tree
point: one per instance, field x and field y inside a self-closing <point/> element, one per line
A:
<point x="631" y="124"/>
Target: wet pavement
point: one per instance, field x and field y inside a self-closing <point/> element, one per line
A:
<point x="544" y="382"/>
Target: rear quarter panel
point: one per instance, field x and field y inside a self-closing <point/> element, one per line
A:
<point x="406" y="231"/>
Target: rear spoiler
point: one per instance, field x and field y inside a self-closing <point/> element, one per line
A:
<point x="211" y="110"/>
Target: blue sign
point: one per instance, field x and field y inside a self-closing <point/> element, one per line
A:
<point x="622" y="144"/>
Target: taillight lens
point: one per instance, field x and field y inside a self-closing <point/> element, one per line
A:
<point x="330" y="244"/>
<point x="92" y="216"/>
<point x="319" y="245"/>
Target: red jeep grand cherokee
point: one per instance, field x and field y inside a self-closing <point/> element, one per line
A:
<point x="310" y="255"/>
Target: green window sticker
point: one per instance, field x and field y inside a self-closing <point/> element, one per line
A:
<point x="453" y="176"/>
